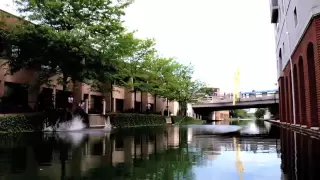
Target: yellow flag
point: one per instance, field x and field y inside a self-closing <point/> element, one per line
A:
<point x="236" y="85"/>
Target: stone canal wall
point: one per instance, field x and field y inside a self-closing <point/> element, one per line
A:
<point x="35" y="122"/>
<point x="122" y="120"/>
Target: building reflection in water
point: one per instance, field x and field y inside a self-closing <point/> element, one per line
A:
<point x="300" y="156"/>
<point x="63" y="155"/>
<point x="71" y="154"/>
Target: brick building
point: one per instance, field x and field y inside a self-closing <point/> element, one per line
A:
<point x="297" y="31"/>
<point x="120" y="99"/>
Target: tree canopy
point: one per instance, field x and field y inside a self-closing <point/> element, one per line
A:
<point x="260" y="113"/>
<point x="86" y="41"/>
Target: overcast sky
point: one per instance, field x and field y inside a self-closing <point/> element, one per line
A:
<point x="213" y="35"/>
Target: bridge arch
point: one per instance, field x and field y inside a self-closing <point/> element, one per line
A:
<point x="312" y="86"/>
<point x="296" y="94"/>
<point x="302" y="95"/>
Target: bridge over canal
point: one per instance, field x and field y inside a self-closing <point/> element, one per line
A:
<point x="259" y="99"/>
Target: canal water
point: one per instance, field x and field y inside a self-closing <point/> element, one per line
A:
<point x="262" y="151"/>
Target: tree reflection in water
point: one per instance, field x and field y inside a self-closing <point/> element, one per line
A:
<point x="141" y="153"/>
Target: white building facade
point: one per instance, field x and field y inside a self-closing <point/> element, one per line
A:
<point x="297" y="34"/>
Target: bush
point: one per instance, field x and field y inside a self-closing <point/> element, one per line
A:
<point x="260" y="112"/>
<point x="184" y="120"/>
<point x="177" y="119"/>
<point x="22" y="123"/>
<point x="122" y="120"/>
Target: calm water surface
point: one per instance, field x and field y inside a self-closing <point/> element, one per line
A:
<point x="166" y="153"/>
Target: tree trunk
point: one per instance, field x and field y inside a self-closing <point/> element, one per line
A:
<point x="185" y="106"/>
<point x="64" y="95"/>
<point x="111" y="98"/>
<point x="134" y="99"/>
<point x="168" y="112"/>
<point x="155" y="103"/>
<point x="141" y="101"/>
<point x="180" y="108"/>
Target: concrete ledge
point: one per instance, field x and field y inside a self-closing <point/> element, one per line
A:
<point x="169" y="120"/>
<point x="96" y="126"/>
<point x="315" y="128"/>
<point x="303" y="129"/>
<point x="96" y="120"/>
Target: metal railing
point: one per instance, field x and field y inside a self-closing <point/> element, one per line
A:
<point x="227" y="99"/>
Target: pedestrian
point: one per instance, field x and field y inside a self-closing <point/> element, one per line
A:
<point x="148" y="107"/>
<point x="82" y="104"/>
<point x="70" y="102"/>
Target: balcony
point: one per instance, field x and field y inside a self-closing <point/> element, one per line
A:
<point x="274" y="8"/>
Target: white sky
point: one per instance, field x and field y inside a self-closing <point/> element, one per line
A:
<point x="214" y="35"/>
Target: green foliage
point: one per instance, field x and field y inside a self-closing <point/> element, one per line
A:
<point x="124" y="120"/>
<point x="21" y="123"/>
<point x="260" y="113"/>
<point x="241" y="113"/>
<point x="164" y="165"/>
<point x="85" y="41"/>
<point x="274" y="109"/>
<point x="185" y="120"/>
<point x="207" y="91"/>
<point x="133" y="74"/>
<point x="241" y="122"/>
<point x="85" y="37"/>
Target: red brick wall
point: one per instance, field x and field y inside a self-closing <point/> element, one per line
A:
<point x="307" y="92"/>
<point x="281" y="99"/>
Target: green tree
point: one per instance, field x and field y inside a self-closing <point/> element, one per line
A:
<point x="161" y="76"/>
<point x="260" y="113"/>
<point x="80" y="44"/>
<point x="185" y="89"/>
<point x="274" y="109"/>
<point x="133" y="73"/>
<point x="208" y="91"/>
<point x="241" y="113"/>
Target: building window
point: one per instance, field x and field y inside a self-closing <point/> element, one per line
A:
<point x="295" y="17"/>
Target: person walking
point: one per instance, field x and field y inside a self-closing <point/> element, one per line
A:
<point x="70" y="103"/>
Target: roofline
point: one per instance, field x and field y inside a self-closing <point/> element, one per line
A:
<point x="4" y="11"/>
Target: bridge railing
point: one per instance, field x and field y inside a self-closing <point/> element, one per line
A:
<point x="223" y="99"/>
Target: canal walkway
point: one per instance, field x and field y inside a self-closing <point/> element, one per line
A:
<point x="298" y="128"/>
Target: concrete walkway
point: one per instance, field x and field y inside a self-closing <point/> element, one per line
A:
<point x="297" y="128"/>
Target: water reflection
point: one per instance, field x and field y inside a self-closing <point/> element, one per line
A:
<point x="300" y="156"/>
<point x="171" y="152"/>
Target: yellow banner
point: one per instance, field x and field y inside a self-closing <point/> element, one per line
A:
<point x="236" y="85"/>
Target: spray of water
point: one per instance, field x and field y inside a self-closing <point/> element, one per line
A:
<point x="107" y="124"/>
<point x="75" y="124"/>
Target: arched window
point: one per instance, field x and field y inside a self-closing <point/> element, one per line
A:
<point x="312" y="86"/>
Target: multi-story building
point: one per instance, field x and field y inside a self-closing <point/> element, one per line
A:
<point x="297" y="34"/>
<point x="120" y="99"/>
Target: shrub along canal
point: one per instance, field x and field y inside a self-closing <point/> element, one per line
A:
<point x="161" y="152"/>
